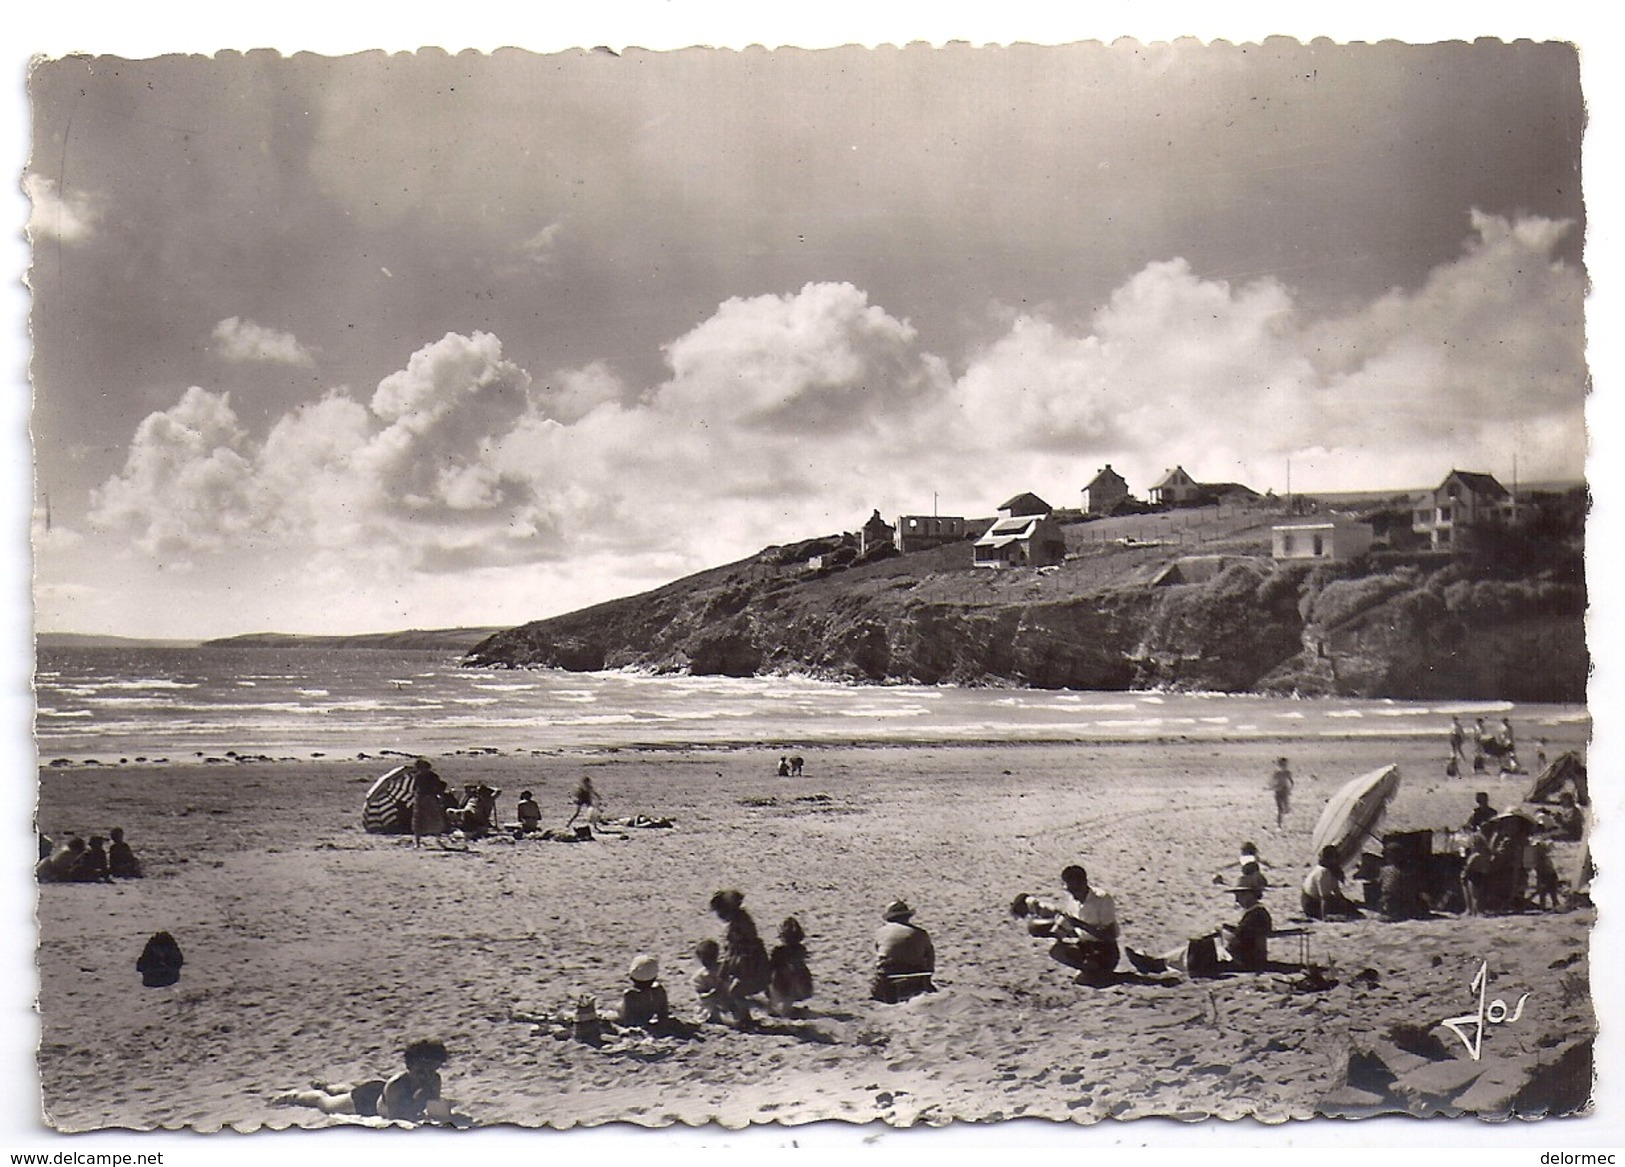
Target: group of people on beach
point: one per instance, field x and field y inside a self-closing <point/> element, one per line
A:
<point x="1500" y="744"/>
<point x="436" y="810"/>
<point x="738" y="974"/>
<point x="1508" y="860"/>
<point x="1083" y="930"/>
<point x="101" y="859"/>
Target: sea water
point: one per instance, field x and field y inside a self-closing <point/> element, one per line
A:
<point x="187" y="704"/>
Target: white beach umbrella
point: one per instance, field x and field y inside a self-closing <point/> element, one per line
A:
<point x="1352" y="814"/>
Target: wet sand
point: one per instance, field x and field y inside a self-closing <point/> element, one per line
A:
<point x="314" y="950"/>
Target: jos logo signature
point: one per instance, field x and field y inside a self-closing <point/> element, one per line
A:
<point x="1493" y="1013"/>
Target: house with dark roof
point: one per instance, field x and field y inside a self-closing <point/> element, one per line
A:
<point x="1175" y="488"/>
<point x="1105" y="490"/>
<point x="1022" y="504"/>
<point x="1446" y="515"/>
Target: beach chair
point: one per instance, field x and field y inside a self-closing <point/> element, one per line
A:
<point x="892" y="988"/>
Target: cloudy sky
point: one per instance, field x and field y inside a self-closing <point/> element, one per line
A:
<point x="417" y="341"/>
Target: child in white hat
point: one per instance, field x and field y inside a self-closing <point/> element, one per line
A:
<point x="644" y="1003"/>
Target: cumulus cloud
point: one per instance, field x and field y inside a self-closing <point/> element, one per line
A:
<point x="1232" y="380"/>
<point x="187" y="485"/>
<point x="237" y="339"/>
<point x="70" y="218"/>
<point x="794" y="414"/>
<point x="819" y="361"/>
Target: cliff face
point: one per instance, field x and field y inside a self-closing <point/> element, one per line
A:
<point x="929" y="618"/>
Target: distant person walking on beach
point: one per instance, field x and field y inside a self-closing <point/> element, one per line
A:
<point x="1457" y="737"/>
<point x="428" y="811"/>
<point x="1281" y="785"/>
<point x="586" y="799"/>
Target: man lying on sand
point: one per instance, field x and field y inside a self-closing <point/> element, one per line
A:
<point x="1239" y="947"/>
<point x="412" y="1095"/>
<point x="1083" y="926"/>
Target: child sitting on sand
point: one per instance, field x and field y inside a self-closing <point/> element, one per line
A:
<point x="530" y="814"/>
<point x="412" y="1095"/>
<point x="645" y="1003"/>
<point x="708" y="979"/>
<point x="789" y="979"/>
<point x="121" y="860"/>
<point x="92" y="865"/>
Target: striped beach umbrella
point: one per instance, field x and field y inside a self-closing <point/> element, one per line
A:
<point x="388" y="808"/>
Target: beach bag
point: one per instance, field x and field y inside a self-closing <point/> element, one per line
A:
<point x="160" y="961"/>
<point x="1202" y="956"/>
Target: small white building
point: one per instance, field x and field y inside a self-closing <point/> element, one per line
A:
<point x="1020" y="541"/>
<point x="1329" y="538"/>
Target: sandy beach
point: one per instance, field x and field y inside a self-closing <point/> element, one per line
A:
<point x="315" y="951"/>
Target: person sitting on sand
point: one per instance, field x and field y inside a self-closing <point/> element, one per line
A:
<point x="412" y="1095"/>
<point x="121" y="860"/>
<point x="530" y="814"/>
<point x="1083" y="925"/>
<point x="160" y="961"/>
<point x="784" y="766"/>
<point x="905" y="958"/>
<point x="644" y="1003"/>
<point x="92" y="864"/>
<point x="1243" y="946"/>
<point x="742" y="972"/>
<point x="1323" y="897"/>
<point x="789" y="980"/>
<point x="1483" y="812"/>
<point x="63" y="861"/>
<point x="1252" y="877"/>
<point x="708" y="979"/>
<point x="1568" y="824"/>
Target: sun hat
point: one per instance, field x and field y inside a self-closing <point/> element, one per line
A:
<point x="898" y="910"/>
<point x="645" y="968"/>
